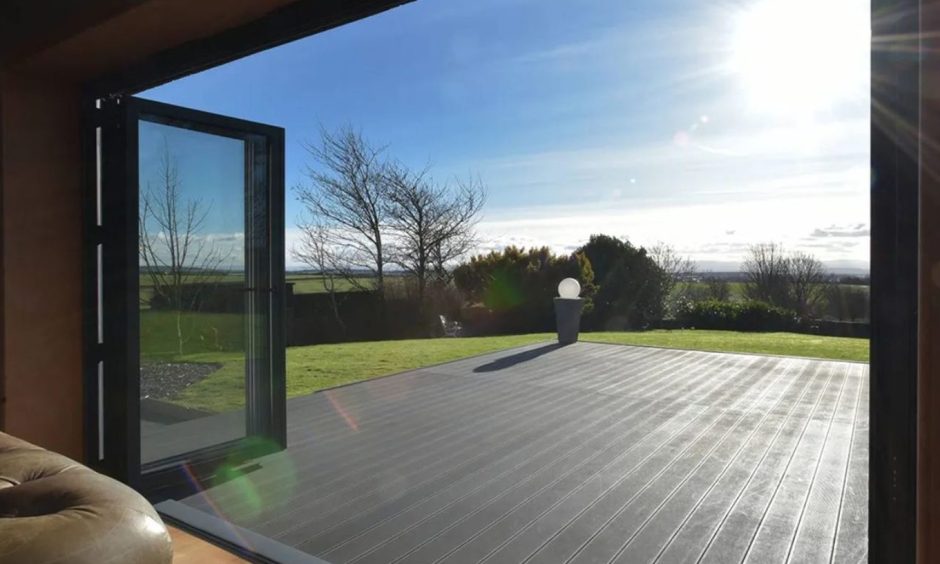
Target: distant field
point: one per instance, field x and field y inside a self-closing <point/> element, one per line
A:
<point x="303" y="283"/>
<point x="229" y="277"/>
<point x="314" y="283"/>
<point x="146" y="284"/>
<point x="737" y="288"/>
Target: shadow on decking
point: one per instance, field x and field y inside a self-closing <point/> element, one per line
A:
<point x="505" y="362"/>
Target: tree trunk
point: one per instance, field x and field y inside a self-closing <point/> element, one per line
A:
<point x="339" y="318"/>
<point x="379" y="268"/>
<point x="179" y="329"/>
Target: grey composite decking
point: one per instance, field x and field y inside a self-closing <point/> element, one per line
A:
<point x="585" y="453"/>
<point x="159" y="441"/>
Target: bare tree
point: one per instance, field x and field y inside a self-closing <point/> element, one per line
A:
<point x="348" y="195"/>
<point x="676" y="268"/>
<point x="179" y="261"/>
<point x="717" y="288"/>
<point x="792" y="280"/>
<point x="807" y="281"/>
<point x="845" y="302"/>
<point x="433" y="224"/>
<point x="316" y="250"/>
<point x="767" y="269"/>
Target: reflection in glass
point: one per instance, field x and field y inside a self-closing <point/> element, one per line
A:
<point x="192" y="290"/>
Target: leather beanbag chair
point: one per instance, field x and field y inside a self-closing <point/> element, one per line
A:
<point x="53" y="509"/>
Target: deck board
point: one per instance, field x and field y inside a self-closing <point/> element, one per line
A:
<point x="585" y="453"/>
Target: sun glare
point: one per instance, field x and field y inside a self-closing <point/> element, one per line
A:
<point x="800" y="57"/>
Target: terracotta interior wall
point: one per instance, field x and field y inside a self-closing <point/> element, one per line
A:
<point x="41" y="272"/>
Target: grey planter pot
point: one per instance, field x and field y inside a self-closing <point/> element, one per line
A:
<point x="568" y="319"/>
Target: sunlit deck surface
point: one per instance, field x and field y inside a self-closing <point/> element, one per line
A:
<point x="585" y="453"/>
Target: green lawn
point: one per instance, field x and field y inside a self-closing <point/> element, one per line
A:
<point x="786" y="344"/>
<point x="316" y="367"/>
<point x="205" y="332"/>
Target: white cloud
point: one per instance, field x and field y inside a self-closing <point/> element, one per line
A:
<point x="221" y="250"/>
<point x="706" y="232"/>
<point x="711" y="197"/>
<point x="856" y="230"/>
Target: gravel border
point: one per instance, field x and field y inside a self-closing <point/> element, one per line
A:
<point x="167" y="380"/>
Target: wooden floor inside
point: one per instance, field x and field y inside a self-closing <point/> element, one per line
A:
<point x="188" y="549"/>
<point x="585" y="453"/>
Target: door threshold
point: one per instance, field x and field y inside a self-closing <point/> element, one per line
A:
<point x="237" y="540"/>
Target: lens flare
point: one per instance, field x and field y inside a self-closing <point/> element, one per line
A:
<point x="338" y="408"/>
<point x="503" y="291"/>
<point x="236" y="491"/>
<point x="201" y="492"/>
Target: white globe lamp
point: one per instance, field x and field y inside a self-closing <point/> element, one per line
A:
<point x="569" y="289"/>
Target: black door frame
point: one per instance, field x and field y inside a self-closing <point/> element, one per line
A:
<point x="112" y="294"/>
<point x="894" y="243"/>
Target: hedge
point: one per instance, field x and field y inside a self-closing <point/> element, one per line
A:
<point x="736" y="316"/>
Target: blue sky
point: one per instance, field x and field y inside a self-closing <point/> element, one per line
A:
<point x="210" y="175"/>
<point x="699" y="124"/>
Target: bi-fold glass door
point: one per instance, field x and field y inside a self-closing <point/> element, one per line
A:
<point x="188" y="352"/>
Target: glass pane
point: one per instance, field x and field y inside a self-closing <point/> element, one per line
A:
<point x="193" y="286"/>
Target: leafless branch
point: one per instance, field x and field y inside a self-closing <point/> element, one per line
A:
<point x="347" y="194"/>
<point x="675" y="267"/>
<point x="433" y="224"/>
<point x="179" y="262"/>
